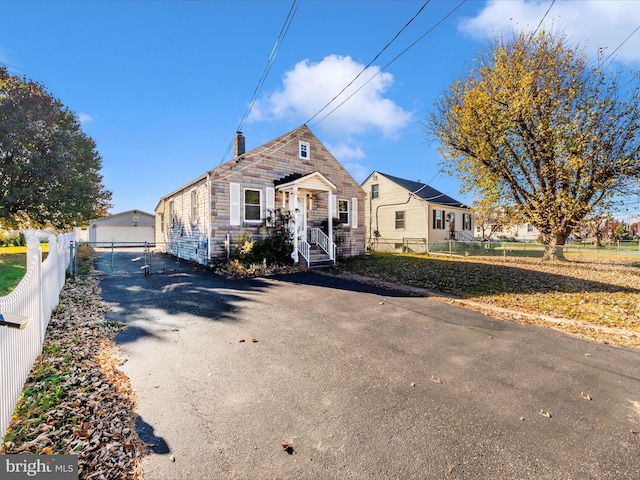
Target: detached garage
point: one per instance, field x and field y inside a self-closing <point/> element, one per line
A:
<point x="131" y="226"/>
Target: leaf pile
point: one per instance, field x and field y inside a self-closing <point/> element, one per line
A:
<point x="594" y="294"/>
<point x="76" y="400"/>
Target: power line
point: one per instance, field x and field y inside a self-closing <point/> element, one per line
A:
<point x="371" y="62"/>
<point x="620" y="46"/>
<point x="542" y="20"/>
<point x="393" y="60"/>
<point x="277" y="148"/>
<point x="267" y="68"/>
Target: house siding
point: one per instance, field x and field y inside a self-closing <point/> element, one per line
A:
<point x="178" y="233"/>
<point x="258" y="169"/>
<point x="418" y="217"/>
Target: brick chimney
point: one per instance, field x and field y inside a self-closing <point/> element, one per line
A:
<point x="238" y="144"/>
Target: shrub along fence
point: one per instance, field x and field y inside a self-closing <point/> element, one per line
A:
<point x="26" y="312"/>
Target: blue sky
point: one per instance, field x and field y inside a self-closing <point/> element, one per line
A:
<point x="162" y="86"/>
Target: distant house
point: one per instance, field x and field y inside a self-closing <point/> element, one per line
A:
<point x="132" y="226"/>
<point x="401" y="214"/>
<point x="203" y="219"/>
<point x="523" y="232"/>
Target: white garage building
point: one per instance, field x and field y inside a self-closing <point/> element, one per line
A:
<point x="130" y="226"/>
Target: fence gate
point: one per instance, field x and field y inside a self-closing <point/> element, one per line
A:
<point x="124" y="258"/>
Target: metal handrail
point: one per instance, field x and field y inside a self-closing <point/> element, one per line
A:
<point x="303" y="249"/>
<point x="319" y="238"/>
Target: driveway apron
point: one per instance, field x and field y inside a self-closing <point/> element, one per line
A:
<point x="307" y="376"/>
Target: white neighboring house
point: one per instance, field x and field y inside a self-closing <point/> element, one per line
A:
<point x="403" y="213"/>
<point x="131" y="226"/>
<point x="524" y="232"/>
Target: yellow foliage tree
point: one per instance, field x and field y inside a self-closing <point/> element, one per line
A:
<point x="534" y="125"/>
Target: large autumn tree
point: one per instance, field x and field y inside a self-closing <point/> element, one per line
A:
<point x="537" y="125"/>
<point x="49" y="168"/>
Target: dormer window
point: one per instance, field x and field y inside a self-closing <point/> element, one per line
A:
<point x="303" y="151"/>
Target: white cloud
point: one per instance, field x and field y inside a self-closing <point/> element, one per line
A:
<point x="309" y="86"/>
<point x="85" y="118"/>
<point x="358" y="171"/>
<point x="7" y="60"/>
<point x="593" y="24"/>
<point x="343" y="151"/>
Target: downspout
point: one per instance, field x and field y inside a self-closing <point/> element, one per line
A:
<point x="208" y="213"/>
<point x="427" y="235"/>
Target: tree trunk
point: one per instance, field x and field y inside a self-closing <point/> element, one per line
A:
<point x="554" y="246"/>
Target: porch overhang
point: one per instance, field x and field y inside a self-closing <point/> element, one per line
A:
<point x="312" y="182"/>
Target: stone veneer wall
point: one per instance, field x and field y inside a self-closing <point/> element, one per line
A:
<point x="275" y="160"/>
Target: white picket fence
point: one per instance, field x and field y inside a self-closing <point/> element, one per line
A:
<point x="35" y="297"/>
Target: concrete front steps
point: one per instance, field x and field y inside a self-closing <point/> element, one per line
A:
<point x="318" y="259"/>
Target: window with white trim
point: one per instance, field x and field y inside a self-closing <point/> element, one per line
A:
<point x="343" y="211"/>
<point x="252" y="205"/>
<point x="303" y="150"/>
<point x="375" y="191"/>
<point x="171" y="219"/>
<point x="400" y="220"/>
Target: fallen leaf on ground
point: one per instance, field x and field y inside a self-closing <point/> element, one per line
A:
<point x="94" y="418"/>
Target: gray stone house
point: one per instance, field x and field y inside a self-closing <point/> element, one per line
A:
<point x="204" y="219"/>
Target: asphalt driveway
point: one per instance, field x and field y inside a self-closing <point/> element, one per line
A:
<point x="346" y="380"/>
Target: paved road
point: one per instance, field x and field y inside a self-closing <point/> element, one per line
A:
<point x="364" y="383"/>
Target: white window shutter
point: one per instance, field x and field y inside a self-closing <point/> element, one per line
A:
<point x="354" y="213"/>
<point x="234" y="204"/>
<point x="270" y="205"/>
<point x="333" y="205"/>
<point x="271" y="198"/>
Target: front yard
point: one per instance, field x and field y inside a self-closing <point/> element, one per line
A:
<point x="597" y="295"/>
<point x="77" y="401"/>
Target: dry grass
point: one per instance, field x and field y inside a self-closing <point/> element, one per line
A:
<point x="594" y="297"/>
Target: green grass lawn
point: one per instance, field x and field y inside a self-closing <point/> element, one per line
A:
<point x="595" y="289"/>
<point x="12" y="269"/>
